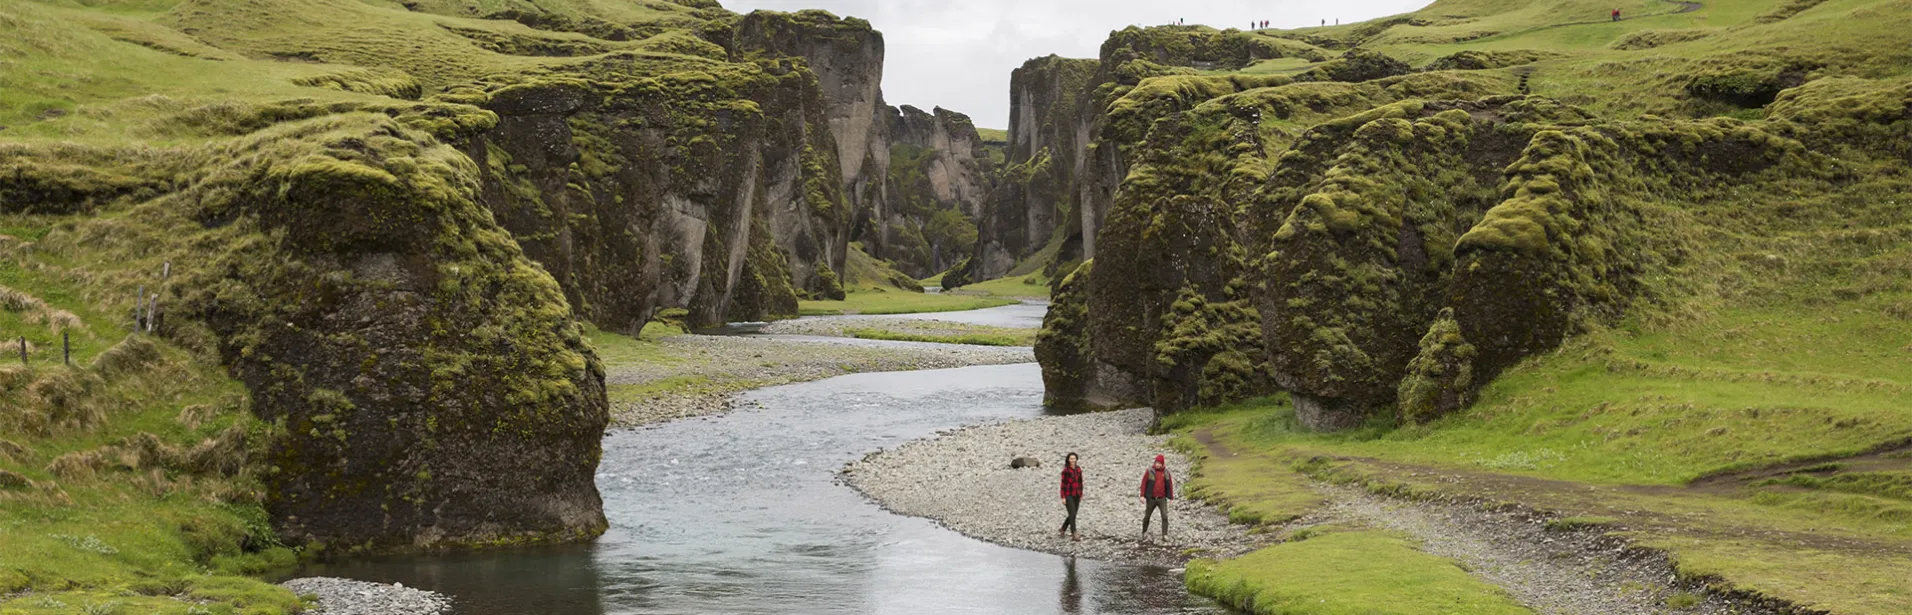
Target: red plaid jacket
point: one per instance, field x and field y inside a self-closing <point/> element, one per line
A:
<point x="1071" y="482"/>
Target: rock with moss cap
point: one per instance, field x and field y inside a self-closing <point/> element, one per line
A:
<point x="939" y="176"/>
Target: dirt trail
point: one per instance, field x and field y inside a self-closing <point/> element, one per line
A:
<point x="1564" y="571"/>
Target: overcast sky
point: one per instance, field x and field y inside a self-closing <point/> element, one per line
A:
<point x="958" y="53"/>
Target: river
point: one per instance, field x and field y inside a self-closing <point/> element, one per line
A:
<point x="742" y="513"/>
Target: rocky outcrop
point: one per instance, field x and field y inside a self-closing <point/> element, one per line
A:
<point x="940" y="174"/>
<point x="643" y="189"/>
<point x="846" y="55"/>
<point x="422" y="384"/>
<point x="1395" y="254"/>
<point x="1047" y="141"/>
<point x="1067" y="155"/>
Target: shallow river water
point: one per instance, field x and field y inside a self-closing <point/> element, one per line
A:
<point x="742" y="514"/>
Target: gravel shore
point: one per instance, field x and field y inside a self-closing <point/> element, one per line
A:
<point x="715" y="368"/>
<point x="841" y="326"/>
<point x="962" y="480"/>
<point x="348" y="597"/>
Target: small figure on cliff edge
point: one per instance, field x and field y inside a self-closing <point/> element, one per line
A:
<point x="1616" y="14"/>
<point x="1157" y="489"/>
<point x="1071" y="495"/>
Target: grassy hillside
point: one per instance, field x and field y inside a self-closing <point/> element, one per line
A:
<point x="127" y="478"/>
<point x="1748" y="413"/>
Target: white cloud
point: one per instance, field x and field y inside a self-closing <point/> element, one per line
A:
<point x="958" y="55"/>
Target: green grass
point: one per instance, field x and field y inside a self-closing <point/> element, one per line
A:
<point x="1348" y="573"/>
<point x="878" y="301"/>
<point x="614" y="349"/>
<point x="1031" y="286"/>
<point x="132" y="530"/>
<point x="1634" y="415"/>
<point x="1662" y="407"/>
<point x="993" y="135"/>
<point x="1001" y="337"/>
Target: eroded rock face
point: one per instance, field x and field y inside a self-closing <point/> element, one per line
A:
<point x="1425" y="232"/>
<point x="1033" y="196"/>
<point x="940" y="174"/>
<point x="646" y="193"/>
<point x="1067" y="155"/>
<point x="846" y="55"/>
<point x="434" y="387"/>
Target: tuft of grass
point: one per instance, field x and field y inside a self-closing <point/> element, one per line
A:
<point x="1347" y="573"/>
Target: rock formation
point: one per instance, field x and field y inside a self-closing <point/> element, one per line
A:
<point x="939" y="175"/>
<point x="1419" y="234"/>
<point x="399" y="276"/>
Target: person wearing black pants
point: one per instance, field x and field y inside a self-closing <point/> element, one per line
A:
<point x="1071" y="495"/>
<point x="1157" y="489"/>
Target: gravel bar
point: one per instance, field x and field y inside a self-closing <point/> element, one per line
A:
<point x="348" y="597"/>
<point x="727" y="365"/>
<point x="962" y="480"/>
<point x="840" y="326"/>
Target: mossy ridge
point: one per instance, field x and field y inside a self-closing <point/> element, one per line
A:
<point x="929" y="231"/>
<point x="262" y="253"/>
<point x="642" y="138"/>
<point x="1062" y="345"/>
<point x="1366" y="251"/>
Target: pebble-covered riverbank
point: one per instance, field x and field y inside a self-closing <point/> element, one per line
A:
<point x="348" y="597"/>
<point x="847" y="326"/>
<point x="703" y="373"/>
<point x="963" y="480"/>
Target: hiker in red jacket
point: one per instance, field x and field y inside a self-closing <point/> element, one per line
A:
<point x="1157" y="489"/>
<point x="1616" y="14"/>
<point x="1071" y="495"/>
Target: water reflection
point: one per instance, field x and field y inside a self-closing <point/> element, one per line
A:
<point x="1071" y="588"/>
<point x="741" y="514"/>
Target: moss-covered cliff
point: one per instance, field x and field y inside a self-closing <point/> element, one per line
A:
<point x="1375" y="240"/>
<point x="385" y="226"/>
<point x="939" y="174"/>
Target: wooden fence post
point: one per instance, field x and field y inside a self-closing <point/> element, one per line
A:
<point x="66" y="348"/>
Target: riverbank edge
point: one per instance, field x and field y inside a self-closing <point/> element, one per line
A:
<point x="689" y="382"/>
<point x="1025" y="502"/>
<point x="336" y="596"/>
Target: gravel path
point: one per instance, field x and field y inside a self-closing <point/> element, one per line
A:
<point x="722" y="366"/>
<point x="962" y="480"/>
<point x="347" y="597"/>
<point x="1552" y="572"/>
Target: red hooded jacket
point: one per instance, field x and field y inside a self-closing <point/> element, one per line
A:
<point x="1153" y="488"/>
